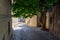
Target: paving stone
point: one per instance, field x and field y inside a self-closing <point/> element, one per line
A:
<point x="29" y="33"/>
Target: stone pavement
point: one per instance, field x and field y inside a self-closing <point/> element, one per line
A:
<point x="27" y="33"/>
<point x="23" y="32"/>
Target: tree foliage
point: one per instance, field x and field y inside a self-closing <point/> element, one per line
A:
<point x="28" y="8"/>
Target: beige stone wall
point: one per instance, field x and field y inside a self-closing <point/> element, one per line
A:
<point x="31" y="21"/>
<point x="4" y="7"/>
<point x="5" y="14"/>
<point x="3" y="29"/>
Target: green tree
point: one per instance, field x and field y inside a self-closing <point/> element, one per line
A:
<point x="28" y="8"/>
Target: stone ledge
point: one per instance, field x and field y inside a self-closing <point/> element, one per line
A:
<point x="4" y="18"/>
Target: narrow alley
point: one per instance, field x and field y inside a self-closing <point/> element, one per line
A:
<point x="29" y="33"/>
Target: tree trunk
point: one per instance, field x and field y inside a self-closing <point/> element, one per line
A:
<point x="43" y="19"/>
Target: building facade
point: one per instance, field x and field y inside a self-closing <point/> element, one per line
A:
<point x="5" y="19"/>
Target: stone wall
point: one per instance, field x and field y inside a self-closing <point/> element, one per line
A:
<point x="5" y="14"/>
<point x="55" y="24"/>
<point x="31" y="21"/>
<point x="57" y="27"/>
